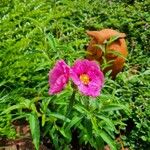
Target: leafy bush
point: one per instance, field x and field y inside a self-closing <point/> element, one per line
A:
<point x="29" y="50"/>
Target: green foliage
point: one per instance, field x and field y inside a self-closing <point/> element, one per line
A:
<point x="138" y="132"/>
<point x="34" y="34"/>
<point x="35" y="129"/>
<point x="89" y="117"/>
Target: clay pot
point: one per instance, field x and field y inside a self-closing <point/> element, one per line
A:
<point x="119" y="46"/>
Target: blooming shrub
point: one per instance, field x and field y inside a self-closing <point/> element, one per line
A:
<point x="87" y="77"/>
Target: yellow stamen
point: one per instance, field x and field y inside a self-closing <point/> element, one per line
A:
<point x="84" y="79"/>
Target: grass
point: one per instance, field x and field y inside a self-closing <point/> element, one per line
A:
<point x="34" y="34"/>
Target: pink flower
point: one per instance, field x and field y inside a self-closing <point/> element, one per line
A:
<point x="88" y="77"/>
<point x="58" y="77"/>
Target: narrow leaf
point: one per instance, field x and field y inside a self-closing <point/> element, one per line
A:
<point x="35" y="129"/>
<point x="59" y="116"/>
<point x="113" y="107"/>
<point x="74" y="121"/>
<point x="11" y="108"/>
<point x="112" y="39"/>
<point x="107" y="121"/>
<point x="108" y="140"/>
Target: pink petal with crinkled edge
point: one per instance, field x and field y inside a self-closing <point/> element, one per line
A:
<point x="92" y="69"/>
<point x="79" y="67"/>
<point x="58" y="77"/>
<point x="97" y="76"/>
<point x="90" y="90"/>
<point x="59" y="85"/>
<point x="75" y="77"/>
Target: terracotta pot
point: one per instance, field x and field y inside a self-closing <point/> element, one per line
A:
<point x="118" y="46"/>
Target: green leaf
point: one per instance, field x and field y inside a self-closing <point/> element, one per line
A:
<point x="107" y="121"/>
<point x="112" y="39"/>
<point x="59" y="116"/>
<point x="116" y="53"/>
<point x="2" y="83"/>
<point x="147" y="72"/>
<point x="65" y="133"/>
<point x="99" y="139"/>
<point x="81" y="109"/>
<point x="43" y="120"/>
<point x="70" y="105"/>
<point x="88" y="126"/>
<point x="99" y="143"/>
<point x="101" y="47"/>
<point x="52" y="42"/>
<point x="108" y="140"/>
<point x="94" y="124"/>
<point x="113" y="107"/>
<point x="9" y="109"/>
<point x="74" y="121"/>
<point x="35" y="129"/>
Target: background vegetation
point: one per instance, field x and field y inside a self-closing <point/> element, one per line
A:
<point x="34" y="34"/>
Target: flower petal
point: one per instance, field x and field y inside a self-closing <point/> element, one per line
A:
<point x="96" y="77"/>
<point x="58" y="77"/>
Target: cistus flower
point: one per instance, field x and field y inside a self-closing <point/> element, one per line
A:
<point x="58" y="77"/>
<point x="88" y="77"/>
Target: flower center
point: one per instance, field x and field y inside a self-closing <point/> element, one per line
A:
<point x="84" y="79"/>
